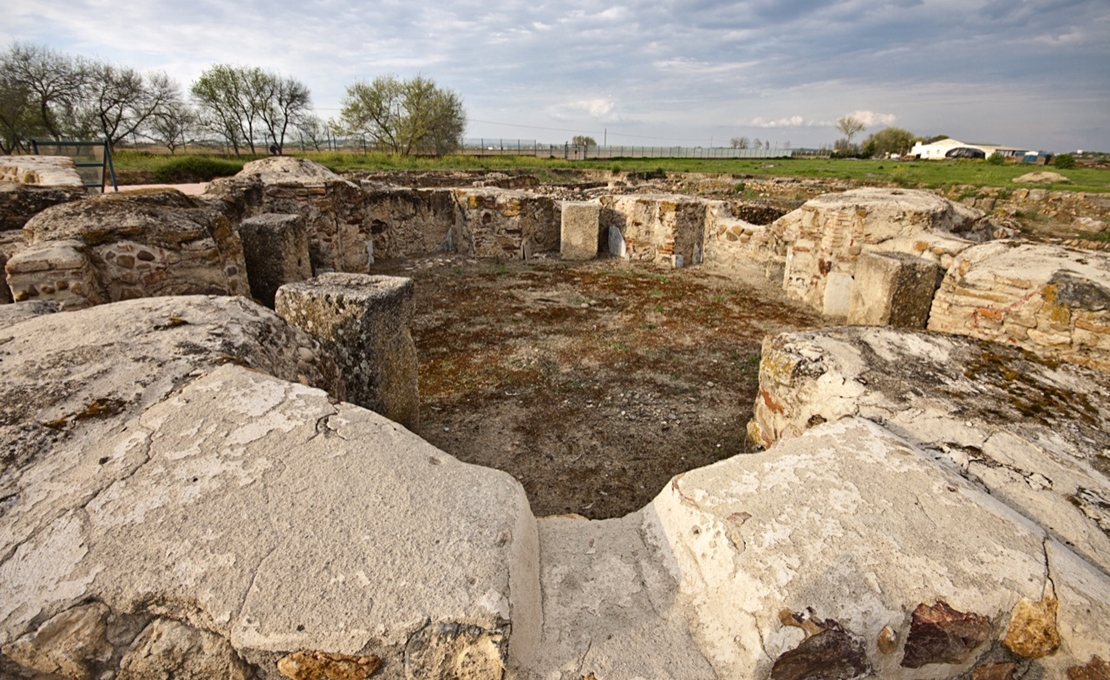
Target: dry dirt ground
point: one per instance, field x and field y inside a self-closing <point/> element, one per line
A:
<point x="594" y="383"/>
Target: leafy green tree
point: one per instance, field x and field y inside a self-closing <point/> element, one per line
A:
<point x="1064" y="161"/>
<point x="405" y="116"/>
<point x="889" y="140"/>
<point x="583" y="140"/>
<point x="850" y="126"/>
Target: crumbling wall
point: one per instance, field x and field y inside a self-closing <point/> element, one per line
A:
<point x="411" y="222"/>
<point x="124" y="246"/>
<point x="1051" y="300"/>
<point x="658" y="228"/>
<point x="505" y="223"/>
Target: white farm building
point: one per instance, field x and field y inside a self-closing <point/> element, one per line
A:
<point x="941" y="148"/>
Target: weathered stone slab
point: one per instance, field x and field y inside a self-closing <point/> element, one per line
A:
<point x="257" y="510"/>
<point x="1051" y="300"/>
<point x="123" y="246"/>
<point x="21" y="202"/>
<point x="655" y="228"/>
<point x="849" y="528"/>
<point x="826" y="236"/>
<point x="1036" y="435"/>
<point x="275" y="248"/>
<point x="21" y="311"/>
<point x="893" y="289"/>
<point x="580" y="230"/>
<point x="363" y="322"/>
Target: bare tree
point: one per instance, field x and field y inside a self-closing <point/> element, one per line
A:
<point x="312" y="132"/>
<point x="850" y="126"/>
<point x="118" y="102"/>
<point x="45" y="86"/>
<point x="281" y="102"/>
<point x="405" y="116"/>
<point x="739" y="142"/>
<point x="173" y="125"/>
<point x="583" y="140"/>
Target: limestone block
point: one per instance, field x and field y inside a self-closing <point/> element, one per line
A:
<point x="171" y="649"/>
<point x="363" y="322"/>
<point x="655" y="228"/>
<point x="893" y="289"/>
<point x="1051" y="300"/>
<point x="47" y="171"/>
<point x="847" y="529"/>
<point x="827" y="234"/>
<point x="580" y="230"/>
<point x="280" y="522"/>
<point x="1033" y="433"/>
<point x="275" y="248"/>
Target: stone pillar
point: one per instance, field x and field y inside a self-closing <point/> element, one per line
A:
<point x="579" y="231"/>
<point x="276" y="251"/>
<point x="893" y="289"/>
<point x="363" y="322"/>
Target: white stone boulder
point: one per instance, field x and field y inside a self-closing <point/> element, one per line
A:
<point x="1052" y="300"/>
<point x="1036" y="435"/>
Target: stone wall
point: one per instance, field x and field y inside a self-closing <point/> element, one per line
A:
<point x="827" y="234"/>
<point x="505" y="223"/>
<point x="44" y="171"/>
<point x="658" y="228"/>
<point x="411" y="222"/>
<point x="123" y="246"/>
<point x="1048" y="299"/>
<point x="729" y="240"/>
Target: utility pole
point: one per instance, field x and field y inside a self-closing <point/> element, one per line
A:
<point x="605" y="139"/>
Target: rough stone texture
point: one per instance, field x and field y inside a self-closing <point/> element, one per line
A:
<point x="850" y="521"/>
<point x="1036" y="435"/>
<point x="324" y="666"/>
<point x="826" y="236"/>
<point x="893" y="289"/>
<point x="46" y="171"/>
<point x="829" y="653"/>
<point x="259" y="510"/>
<point x="999" y="670"/>
<point x="580" y="232"/>
<point x="171" y="649"/>
<point x="363" y="322"/>
<point x="123" y="246"/>
<point x="504" y="223"/>
<point x="21" y="202"/>
<point x="941" y="635"/>
<point x="1095" y="669"/>
<point x="656" y="228"/>
<point x="1032" y="632"/>
<point x="21" y="311"/>
<point x="1052" y="300"/>
<point x="11" y="242"/>
<point x="275" y="248"/>
<point x="333" y="208"/>
<point x="729" y="240"/>
<point x="412" y="222"/>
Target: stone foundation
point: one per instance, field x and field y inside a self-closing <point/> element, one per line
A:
<point x="893" y="289"/>
<point x="663" y="229"/>
<point x="504" y="223"/>
<point x="363" y="322"/>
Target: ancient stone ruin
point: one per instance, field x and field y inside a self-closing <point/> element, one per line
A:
<point x="196" y="485"/>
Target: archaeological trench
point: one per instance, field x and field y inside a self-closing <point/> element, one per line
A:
<point x="209" y="469"/>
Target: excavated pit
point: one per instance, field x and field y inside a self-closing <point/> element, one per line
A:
<point x="591" y="383"/>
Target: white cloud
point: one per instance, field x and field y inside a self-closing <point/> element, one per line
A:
<point x="870" y="118"/>
<point x="792" y="121"/>
<point x="598" y="109"/>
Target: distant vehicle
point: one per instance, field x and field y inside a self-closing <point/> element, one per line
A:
<point x="965" y="152"/>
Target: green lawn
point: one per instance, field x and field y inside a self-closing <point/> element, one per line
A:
<point x="925" y="174"/>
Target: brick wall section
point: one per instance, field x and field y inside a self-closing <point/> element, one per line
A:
<point x="1052" y="300"/>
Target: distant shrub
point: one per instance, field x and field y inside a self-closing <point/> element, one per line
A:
<point x="996" y="159"/>
<point x="195" y="169"/>
<point x="1064" y="161"/>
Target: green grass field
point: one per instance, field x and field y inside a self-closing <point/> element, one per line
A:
<point x="910" y="174"/>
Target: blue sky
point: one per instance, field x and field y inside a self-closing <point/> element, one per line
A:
<point x="1033" y="73"/>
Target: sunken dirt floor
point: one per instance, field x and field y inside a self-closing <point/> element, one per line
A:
<point x="594" y="383"/>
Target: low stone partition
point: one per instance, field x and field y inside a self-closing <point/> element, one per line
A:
<point x="1048" y="299"/>
<point x="275" y="248"/>
<point x="826" y="236"/>
<point x="580" y="230"/>
<point x="666" y="229"/>
<point x="124" y="246"/>
<point x="505" y="223"/>
<point x="363" y="323"/>
<point x="729" y="240"/>
<point x="1034" y="434"/>
<point x="407" y="223"/>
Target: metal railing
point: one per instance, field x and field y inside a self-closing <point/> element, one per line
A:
<point x="578" y="152"/>
<point x="93" y="171"/>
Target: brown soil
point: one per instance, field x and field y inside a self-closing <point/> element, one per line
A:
<point x="595" y="383"/>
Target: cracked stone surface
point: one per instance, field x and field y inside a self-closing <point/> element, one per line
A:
<point x="1034" y="433"/>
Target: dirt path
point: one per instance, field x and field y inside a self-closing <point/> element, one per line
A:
<point x="592" y="384"/>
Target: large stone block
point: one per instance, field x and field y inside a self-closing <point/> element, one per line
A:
<point x="580" y="230"/>
<point x="1033" y="433"/>
<point x="59" y="272"/>
<point x="275" y="248"/>
<point x="893" y="289"/>
<point x="43" y="171"/>
<point x="363" y="322"/>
